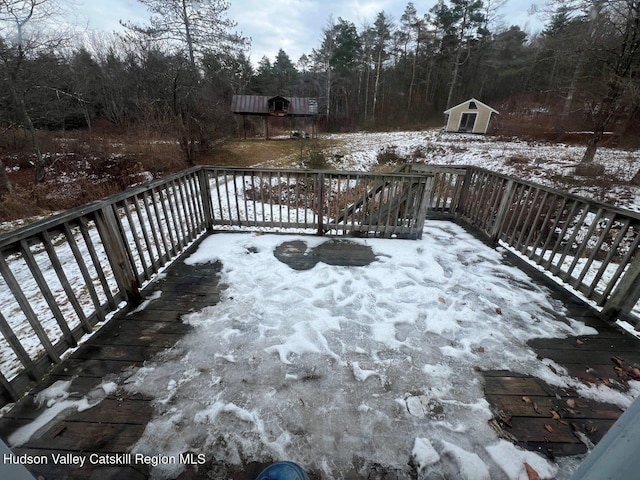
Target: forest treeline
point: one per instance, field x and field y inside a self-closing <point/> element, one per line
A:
<point x="176" y="74"/>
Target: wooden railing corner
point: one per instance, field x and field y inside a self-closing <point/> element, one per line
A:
<point x="625" y="294"/>
<point x="114" y="240"/>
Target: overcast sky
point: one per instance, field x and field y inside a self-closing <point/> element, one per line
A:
<point x="293" y="25"/>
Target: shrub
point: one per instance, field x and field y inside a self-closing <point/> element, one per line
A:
<point x="389" y="155"/>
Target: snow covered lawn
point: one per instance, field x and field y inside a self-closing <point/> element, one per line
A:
<point x="356" y="370"/>
<point x="550" y="164"/>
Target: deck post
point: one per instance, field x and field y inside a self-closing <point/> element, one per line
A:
<point x="464" y="193"/>
<point x="113" y="241"/>
<point x="205" y="192"/>
<point x="427" y="186"/>
<point x="626" y="294"/>
<point x="498" y="222"/>
<point x="320" y="199"/>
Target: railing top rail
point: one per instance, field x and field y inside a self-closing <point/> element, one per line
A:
<point x="437" y="168"/>
<point x="58" y="219"/>
<point x="315" y="172"/>
<point x="572" y="196"/>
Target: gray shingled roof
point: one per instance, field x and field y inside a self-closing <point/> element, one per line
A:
<point x="259" y="105"/>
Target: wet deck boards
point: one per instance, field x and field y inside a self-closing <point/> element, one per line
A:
<point x="126" y="342"/>
<point x="556" y="421"/>
<point x="523" y="405"/>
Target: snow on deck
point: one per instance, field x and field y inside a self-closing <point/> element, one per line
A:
<point x="349" y="370"/>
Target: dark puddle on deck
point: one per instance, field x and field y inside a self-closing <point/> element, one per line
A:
<point x="298" y="256"/>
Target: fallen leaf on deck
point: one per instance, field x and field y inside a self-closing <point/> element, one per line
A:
<point x="531" y="473"/>
<point x="617" y="360"/>
<point x="526" y="399"/>
<point x="498" y="310"/>
<point x="548" y="428"/>
<point x="554" y="415"/>
<point x="579" y="342"/>
<point x="571" y="403"/>
<point x="442" y="300"/>
<point x="535" y="407"/>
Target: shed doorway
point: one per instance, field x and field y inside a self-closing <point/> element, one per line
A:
<point x="467" y="122"/>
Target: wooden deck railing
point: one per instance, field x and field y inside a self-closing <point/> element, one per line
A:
<point x="63" y="275"/>
<point x="323" y="202"/>
<point x="587" y="245"/>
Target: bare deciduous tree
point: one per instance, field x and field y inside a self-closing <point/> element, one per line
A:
<point x="24" y="33"/>
<point x="193" y="28"/>
<point x="196" y="26"/>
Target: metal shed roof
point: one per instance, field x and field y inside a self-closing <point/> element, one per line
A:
<point x="259" y="105"/>
<point x="464" y="106"/>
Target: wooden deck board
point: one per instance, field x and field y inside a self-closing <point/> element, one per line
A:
<point x="129" y="340"/>
<point x="557" y="421"/>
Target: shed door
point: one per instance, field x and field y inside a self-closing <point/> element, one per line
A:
<point x="467" y="121"/>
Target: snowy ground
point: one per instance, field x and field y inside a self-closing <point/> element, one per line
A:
<point x="550" y="164"/>
<point x="347" y="370"/>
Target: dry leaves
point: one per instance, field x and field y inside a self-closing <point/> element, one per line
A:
<point x="625" y="373"/>
<point x="480" y="349"/>
<point x="556" y="416"/>
<point x="548" y="428"/>
<point x="442" y="300"/>
<point x="618" y="361"/>
<point x="531" y="473"/>
<point x="528" y="401"/>
<point x="498" y="310"/>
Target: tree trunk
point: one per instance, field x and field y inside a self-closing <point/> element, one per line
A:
<point x="187" y="29"/>
<point x="413" y="73"/>
<point x="456" y="65"/>
<point x="454" y="77"/>
<point x="592" y="147"/>
<point x="366" y="94"/>
<point x="377" y="83"/>
<point x="328" y="93"/>
<point x="6" y="183"/>
<point x="40" y="165"/>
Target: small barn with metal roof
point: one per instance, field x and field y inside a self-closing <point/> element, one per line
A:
<point x="471" y="116"/>
<point x="276" y="106"/>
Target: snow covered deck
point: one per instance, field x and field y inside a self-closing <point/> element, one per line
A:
<point x="428" y="356"/>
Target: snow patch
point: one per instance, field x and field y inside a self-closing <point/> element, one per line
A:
<point x="424" y="454"/>
<point x="512" y="459"/>
<point x="393" y="349"/>
<point x="57" y="406"/>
